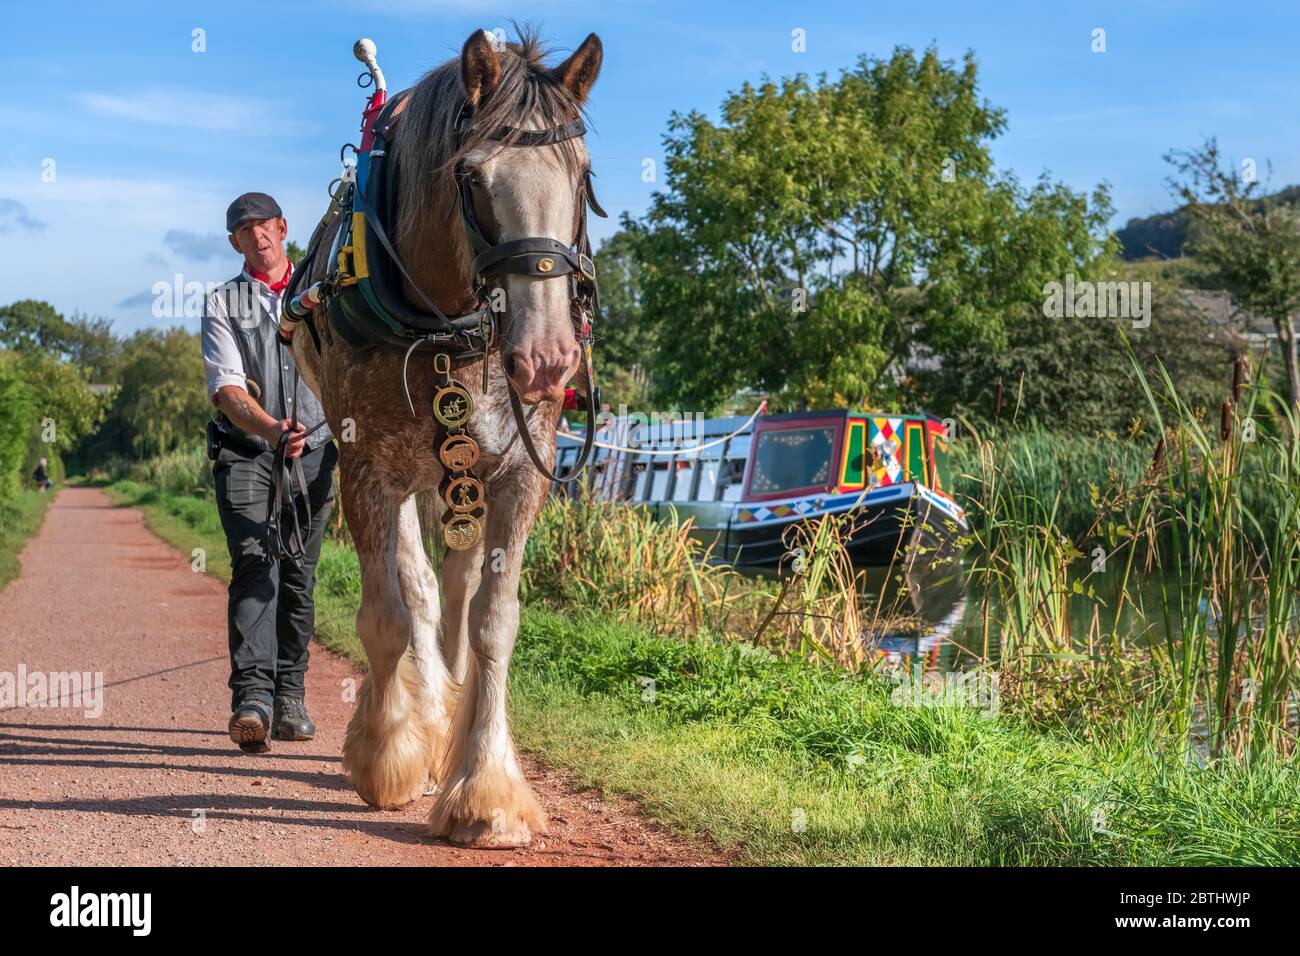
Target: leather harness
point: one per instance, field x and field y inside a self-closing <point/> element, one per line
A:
<point x="365" y="305"/>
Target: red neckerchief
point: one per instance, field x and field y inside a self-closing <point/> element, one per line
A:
<point x="276" y="287"/>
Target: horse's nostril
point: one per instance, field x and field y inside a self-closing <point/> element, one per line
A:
<point x="509" y="364"/>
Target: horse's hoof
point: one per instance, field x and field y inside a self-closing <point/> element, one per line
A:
<point x="391" y="802"/>
<point x="481" y="835"/>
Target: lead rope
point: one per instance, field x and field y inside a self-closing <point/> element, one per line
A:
<point x="282" y="496"/>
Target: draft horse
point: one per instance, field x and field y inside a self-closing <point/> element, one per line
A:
<point x="492" y="179"/>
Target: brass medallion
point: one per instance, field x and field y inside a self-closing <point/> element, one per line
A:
<point x="464" y="494"/>
<point x="462" y="532"/>
<point x="458" y="453"/>
<point x="452" y="406"/>
<point x="545" y="264"/>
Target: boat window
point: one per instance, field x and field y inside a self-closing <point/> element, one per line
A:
<point x="793" y="459"/>
<point x="659" y="480"/>
<point x="685" y="468"/>
<point x="708" y="467"/>
<point x="731" y="475"/>
<point x="733" y="479"/>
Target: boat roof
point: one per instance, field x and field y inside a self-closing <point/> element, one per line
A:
<point x="695" y="431"/>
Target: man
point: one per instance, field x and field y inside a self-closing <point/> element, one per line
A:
<point x="252" y="381"/>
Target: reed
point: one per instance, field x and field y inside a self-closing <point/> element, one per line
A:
<point x="1212" y="518"/>
<point x="1228" y="665"/>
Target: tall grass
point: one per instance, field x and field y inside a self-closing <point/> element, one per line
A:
<point x="621" y="561"/>
<point x="1228" y="660"/>
<point x="1212" y="519"/>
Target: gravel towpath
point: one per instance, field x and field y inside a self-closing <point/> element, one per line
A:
<point x="154" y="779"/>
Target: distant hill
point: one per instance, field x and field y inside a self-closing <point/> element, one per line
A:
<point x="1163" y="235"/>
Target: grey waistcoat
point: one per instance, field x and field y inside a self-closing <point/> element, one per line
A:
<point x="270" y="365"/>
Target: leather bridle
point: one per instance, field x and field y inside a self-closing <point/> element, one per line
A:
<point x="539" y="258"/>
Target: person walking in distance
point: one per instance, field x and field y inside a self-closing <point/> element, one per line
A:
<point x="252" y="381"/>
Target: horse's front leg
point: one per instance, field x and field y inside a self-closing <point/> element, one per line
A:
<point x="461" y="573"/>
<point x="435" y="695"/>
<point x="393" y="740"/>
<point x="486" y="801"/>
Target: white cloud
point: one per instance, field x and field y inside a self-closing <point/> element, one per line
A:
<point x="190" y="109"/>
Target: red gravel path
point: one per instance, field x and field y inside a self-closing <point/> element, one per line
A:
<point x="98" y="592"/>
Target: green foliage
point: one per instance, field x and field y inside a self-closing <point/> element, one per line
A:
<point x="1074" y="373"/>
<point x="16" y="416"/>
<point x="1249" y="241"/>
<point x="30" y="326"/>
<point x="624" y="341"/>
<point x="20" y="518"/>
<point x="162" y="402"/>
<point x="66" y="411"/>
<point x="1047" y="465"/>
<point x="873" y="197"/>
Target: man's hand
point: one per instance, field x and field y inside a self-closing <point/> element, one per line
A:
<point x="297" y="440"/>
<point x="242" y="409"/>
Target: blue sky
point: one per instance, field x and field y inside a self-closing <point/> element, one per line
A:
<point x="150" y="140"/>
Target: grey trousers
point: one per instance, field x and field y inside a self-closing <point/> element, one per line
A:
<point x="271" y="614"/>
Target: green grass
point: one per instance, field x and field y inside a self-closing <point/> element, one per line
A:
<point x="778" y="761"/>
<point x="19" y="520"/>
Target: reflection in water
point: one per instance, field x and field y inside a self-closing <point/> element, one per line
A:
<point x="917" y="613"/>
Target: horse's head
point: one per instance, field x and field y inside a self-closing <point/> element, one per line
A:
<point x="524" y="190"/>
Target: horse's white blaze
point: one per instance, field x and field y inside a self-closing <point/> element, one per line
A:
<point x="532" y="193"/>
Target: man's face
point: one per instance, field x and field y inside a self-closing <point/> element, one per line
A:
<point x="261" y="242"/>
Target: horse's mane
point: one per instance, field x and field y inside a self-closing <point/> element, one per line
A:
<point x="526" y="96"/>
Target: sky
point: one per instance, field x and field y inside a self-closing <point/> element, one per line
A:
<point x="122" y="145"/>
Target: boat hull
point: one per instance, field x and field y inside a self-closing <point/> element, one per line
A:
<point x="904" y="519"/>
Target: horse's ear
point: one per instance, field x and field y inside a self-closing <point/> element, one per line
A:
<point x="578" y="73"/>
<point x="480" y="67"/>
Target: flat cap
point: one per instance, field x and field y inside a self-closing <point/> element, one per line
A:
<point x="251" y="206"/>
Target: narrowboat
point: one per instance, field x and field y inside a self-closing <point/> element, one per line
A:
<point x="745" y="482"/>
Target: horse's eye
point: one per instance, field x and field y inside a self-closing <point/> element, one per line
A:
<point x="475" y="179"/>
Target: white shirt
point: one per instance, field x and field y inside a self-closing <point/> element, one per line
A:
<point x="221" y="357"/>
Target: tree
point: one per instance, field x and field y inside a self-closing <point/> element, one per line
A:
<point x="624" y="342"/>
<point x="1075" y="373"/>
<point x="30" y="325"/>
<point x="92" y="346"/>
<point x="162" y="402"/>
<point x="807" y="243"/>
<point x="1249" y="241"/>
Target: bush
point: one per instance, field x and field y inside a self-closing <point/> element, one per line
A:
<point x="16" y="413"/>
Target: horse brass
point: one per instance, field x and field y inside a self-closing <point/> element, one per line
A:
<point x="464" y="494"/>
<point x="458" y="453"/>
<point x="452" y="406"/>
<point x="462" y="532"/>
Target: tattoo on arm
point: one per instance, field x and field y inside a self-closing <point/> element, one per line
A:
<point x="242" y="409"/>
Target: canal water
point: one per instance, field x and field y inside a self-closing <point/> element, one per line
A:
<point x="935" y="613"/>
